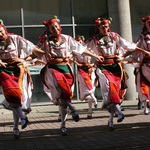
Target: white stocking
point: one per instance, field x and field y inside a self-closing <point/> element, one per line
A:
<point x="71" y="107"/>
<point x="94" y="98"/>
<point x="111" y="116"/>
<point x="19" y="112"/>
<point x="118" y="109"/>
<point x="63" y="112"/>
<point x="16" y="119"/>
<point x="90" y="106"/>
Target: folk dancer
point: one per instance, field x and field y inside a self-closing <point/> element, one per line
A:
<point x="15" y="79"/>
<point x="112" y="76"/>
<point x="57" y="75"/>
<point x="87" y="78"/>
<point x="141" y="62"/>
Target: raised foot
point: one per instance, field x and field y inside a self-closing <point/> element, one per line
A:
<point x="24" y="122"/>
<point x="120" y="119"/>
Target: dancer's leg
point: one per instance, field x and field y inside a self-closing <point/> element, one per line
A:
<point x="74" y="113"/>
<point x="110" y="121"/>
<point x="89" y="115"/>
<point x="120" y="114"/>
<point x="16" y="124"/>
<point x="63" y="112"/>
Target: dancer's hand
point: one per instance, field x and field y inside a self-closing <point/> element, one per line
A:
<point x="16" y="59"/>
<point x="3" y="64"/>
<point x="119" y="58"/>
<point x="100" y="58"/>
<point x="38" y="62"/>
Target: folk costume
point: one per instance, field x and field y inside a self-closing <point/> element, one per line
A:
<point x="57" y="75"/>
<point x="143" y="65"/>
<point x="111" y="74"/>
<point x="15" y="79"/>
<point x="87" y="78"/>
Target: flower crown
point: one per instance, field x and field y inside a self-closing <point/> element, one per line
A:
<point x="51" y="21"/>
<point x="2" y="25"/>
<point x="99" y="21"/>
<point x="80" y="37"/>
<point x="145" y="19"/>
<point x="1" y="22"/>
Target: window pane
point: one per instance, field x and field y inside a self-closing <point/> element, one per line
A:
<point x="86" y="31"/>
<point x="67" y="30"/>
<point x="35" y="12"/>
<point x="139" y="10"/>
<point x="38" y="92"/>
<point x="32" y="34"/>
<point x="10" y="12"/>
<point x="87" y="10"/>
<point x="15" y="31"/>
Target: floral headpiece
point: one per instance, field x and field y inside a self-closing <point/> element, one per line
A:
<point x="79" y="38"/>
<point x="99" y="21"/>
<point x="1" y="22"/>
<point x="3" y="26"/>
<point x="51" y="21"/>
<point x="145" y="19"/>
<point x="144" y="29"/>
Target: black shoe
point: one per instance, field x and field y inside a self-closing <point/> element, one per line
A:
<point x="148" y="105"/>
<point x="16" y="133"/>
<point x="26" y="122"/>
<point x="89" y="117"/>
<point x="75" y="116"/>
<point x="64" y="131"/>
<point x="95" y="105"/>
<point x="139" y="105"/>
<point x="59" y="118"/>
<point x="121" y="119"/>
<point x="122" y="109"/>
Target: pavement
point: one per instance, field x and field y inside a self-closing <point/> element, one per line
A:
<point x="43" y="131"/>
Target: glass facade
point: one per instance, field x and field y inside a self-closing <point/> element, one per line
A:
<point x="139" y="9"/>
<point x="25" y="17"/>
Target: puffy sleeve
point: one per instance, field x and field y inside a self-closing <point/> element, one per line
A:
<point x="138" y="56"/>
<point x="25" y="47"/>
<point x="125" y="44"/>
<point x="90" y="44"/>
<point x="141" y="42"/>
<point x="75" y="46"/>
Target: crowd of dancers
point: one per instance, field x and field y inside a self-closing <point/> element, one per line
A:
<point x="99" y="60"/>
